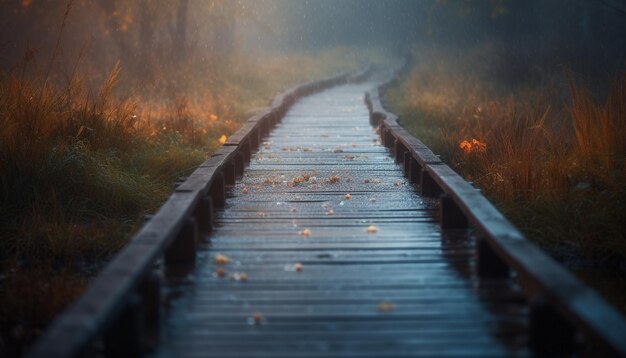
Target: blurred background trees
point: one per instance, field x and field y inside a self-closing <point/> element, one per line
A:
<point x="148" y="37"/>
<point x="151" y="38"/>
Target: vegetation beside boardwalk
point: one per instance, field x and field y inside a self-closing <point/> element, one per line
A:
<point x="550" y="153"/>
<point x="80" y="166"/>
<point x="104" y="104"/>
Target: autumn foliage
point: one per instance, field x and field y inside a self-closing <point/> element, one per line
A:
<point x="97" y="126"/>
<point x="556" y="165"/>
<point x="472" y="146"/>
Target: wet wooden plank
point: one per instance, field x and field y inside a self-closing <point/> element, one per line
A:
<point x="540" y="273"/>
<point x="436" y="303"/>
<point x="110" y="293"/>
<point x="574" y="304"/>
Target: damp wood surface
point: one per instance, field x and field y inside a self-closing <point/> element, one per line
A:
<point x="341" y="256"/>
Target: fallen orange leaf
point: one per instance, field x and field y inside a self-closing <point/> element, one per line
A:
<point x="386" y="306"/>
<point x="239" y="276"/>
<point x="257" y="318"/>
<point x="220" y="259"/>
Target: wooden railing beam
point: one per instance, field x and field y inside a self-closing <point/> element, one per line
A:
<point x="429" y="188"/>
<point x="406" y="164"/>
<point x="204" y="214"/>
<point x="74" y="331"/>
<point x="125" y="336"/>
<point x="488" y="263"/>
<point x="551" y="335"/>
<point x="415" y="172"/>
<point x="503" y="248"/>
<point x="183" y="249"/>
<point x="150" y="292"/>
<point x="217" y="191"/>
<point x="230" y="172"/>
<point x="451" y="216"/>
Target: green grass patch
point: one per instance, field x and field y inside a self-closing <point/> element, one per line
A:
<point x="79" y="168"/>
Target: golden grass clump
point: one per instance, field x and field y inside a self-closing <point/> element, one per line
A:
<point x="67" y="161"/>
<point x="80" y="165"/>
<point x="551" y="156"/>
<point x="77" y="162"/>
<point x="600" y="129"/>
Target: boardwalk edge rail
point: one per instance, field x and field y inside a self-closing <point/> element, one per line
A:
<point x="561" y="306"/>
<point x="122" y="302"/>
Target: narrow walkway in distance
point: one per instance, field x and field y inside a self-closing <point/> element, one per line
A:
<point x="339" y="256"/>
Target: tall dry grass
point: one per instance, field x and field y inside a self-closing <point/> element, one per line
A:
<point x="76" y="161"/>
<point x="67" y="158"/>
<point x="80" y="165"/>
<point x="600" y="130"/>
<point x="549" y="154"/>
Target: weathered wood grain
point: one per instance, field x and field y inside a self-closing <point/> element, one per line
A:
<point x="75" y="330"/>
<point x="505" y="245"/>
<point x="418" y="284"/>
<point x="300" y="178"/>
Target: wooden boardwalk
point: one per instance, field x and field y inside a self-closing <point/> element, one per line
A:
<point x="403" y="288"/>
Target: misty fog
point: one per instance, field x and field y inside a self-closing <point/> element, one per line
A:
<point x="106" y="104"/>
<point x="585" y="35"/>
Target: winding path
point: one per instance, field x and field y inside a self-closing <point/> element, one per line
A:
<point x="327" y="274"/>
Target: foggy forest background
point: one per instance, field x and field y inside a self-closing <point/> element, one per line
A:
<point x="146" y="36"/>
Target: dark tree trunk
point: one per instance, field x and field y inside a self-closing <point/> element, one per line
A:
<point x="146" y="40"/>
<point x="112" y="23"/>
<point x="180" y="32"/>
